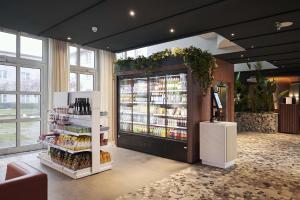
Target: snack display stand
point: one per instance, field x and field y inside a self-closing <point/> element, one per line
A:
<point x="89" y="118"/>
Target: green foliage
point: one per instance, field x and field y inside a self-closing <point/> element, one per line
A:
<point x="240" y="95"/>
<point x="201" y="63"/>
<point x="257" y="96"/>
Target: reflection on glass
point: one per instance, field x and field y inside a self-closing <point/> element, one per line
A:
<point x="7" y="106"/>
<point x="7" y="78"/>
<point x="7" y="135"/>
<point x="73" y="82"/>
<point x="30" y="132"/>
<point x="30" y="106"/>
<point x="30" y="79"/>
<point x="140" y="99"/>
<point x="176" y="106"/>
<point x="31" y="48"/>
<point x="8" y="44"/>
<point x="126" y="105"/>
<point x="157" y="106"/>
<point x="87" y="58"/>
<point x="73" y="55"/>
<point x="86" y="82"/>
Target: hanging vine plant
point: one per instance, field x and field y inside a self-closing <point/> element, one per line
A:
<point x="201" y="63"/>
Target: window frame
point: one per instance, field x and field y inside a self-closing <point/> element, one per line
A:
<point x="19" y="62"/>
<point x="77" y="69"/>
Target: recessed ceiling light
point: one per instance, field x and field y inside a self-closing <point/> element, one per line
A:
<point x="242" y="55"/>
<point x="94" y="29"/>
<point x="280" y="25"/>
<point x="252" y="46"/>
<point x="69" y="38"/>
<point x="132" y="13"/>
<point x="232" y="34"/>
<point x="172" y="30"/>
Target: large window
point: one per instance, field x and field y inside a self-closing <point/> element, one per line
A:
<point x="31" y="48"/>
<point x="8" y="44"/>
<point x="83" y="69"/>
<point x="21" y="90"/>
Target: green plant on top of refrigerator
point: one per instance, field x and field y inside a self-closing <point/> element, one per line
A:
<point x="202" y="63"/>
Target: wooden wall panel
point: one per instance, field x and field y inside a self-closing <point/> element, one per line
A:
<point x="224" y="73"/>
<point x="289" y="118"/>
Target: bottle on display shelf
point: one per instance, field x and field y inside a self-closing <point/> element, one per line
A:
<point x="139" y="129"/>
<point x="177" y="134"/>
<point x="88" y="107"/>
<point x="158" y="131"/>
<point x="125" y="127"/>
<point x="71" y="109"/>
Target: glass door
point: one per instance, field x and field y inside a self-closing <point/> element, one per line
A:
<point x="140" y="102"/>
<point x="176" y="106"/>
<point x="125" y="105"/>
<point x="157" y="106"/>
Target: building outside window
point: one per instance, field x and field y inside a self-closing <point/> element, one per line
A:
<point x="82" y="68"/>
<point x="21" y="93"/>
<point x="3" y="74"/>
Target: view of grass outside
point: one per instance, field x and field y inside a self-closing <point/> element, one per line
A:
<point x="30" y="131"/>
<point x="20" y="93"/>
<point x="7" y="135"/>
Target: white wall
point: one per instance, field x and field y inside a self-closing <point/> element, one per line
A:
<point x="210" y="44"/>
<point x="243" y="66"/>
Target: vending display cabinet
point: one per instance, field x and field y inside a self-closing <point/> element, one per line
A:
<point x="158" y="112"/>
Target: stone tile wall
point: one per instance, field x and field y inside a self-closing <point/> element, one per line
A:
<point x="257" y="122"/>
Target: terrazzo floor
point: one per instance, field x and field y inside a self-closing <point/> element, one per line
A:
<point x="267" y="168"/>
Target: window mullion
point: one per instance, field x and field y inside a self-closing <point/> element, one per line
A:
<point x="18" y="106"/>
<point x="18" y="45"/>
<point x="78" y="56"/>
<point x="78" y="82"/>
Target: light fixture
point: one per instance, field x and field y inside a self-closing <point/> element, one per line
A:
<point x="280" y="25"/>
<point x="242" y="55"/>
<point x="248" y="59"/>
<point x="172" y="30"/>
<point x="252" y="46"/>
<point x="69" y="38"/>
<point x="94" y="29"/>
<point x="132" y="13"/>
<point x="107" y="47"/>
<point x="232" y="34"/>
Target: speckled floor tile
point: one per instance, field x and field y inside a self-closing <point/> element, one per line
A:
<point x="267" y="167"/>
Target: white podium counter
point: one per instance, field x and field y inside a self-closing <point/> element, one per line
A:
<point x="218" y="143"/>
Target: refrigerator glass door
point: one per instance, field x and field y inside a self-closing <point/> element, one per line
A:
<point x="125" y="105"/>
<point x="176" y="106"/>
<point x="140" y="102"/>
<point x="157" y="126"/>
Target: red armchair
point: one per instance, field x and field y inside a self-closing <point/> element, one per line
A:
<point x="23" y="182"/>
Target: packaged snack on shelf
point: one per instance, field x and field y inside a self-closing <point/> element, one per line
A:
<point x="72" y="161"/>
<point x="73" y="142"/>
<point x="104" y="157"/>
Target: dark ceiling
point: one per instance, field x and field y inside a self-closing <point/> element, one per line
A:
<point x="252" y="21"/>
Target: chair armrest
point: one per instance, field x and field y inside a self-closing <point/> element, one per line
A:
<point x="25" y="187"/>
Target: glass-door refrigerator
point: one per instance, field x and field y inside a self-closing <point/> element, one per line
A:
<point x="176" y="106"/>
<point x="139" y="106"/>
<point x="157" y="104"/>
<point x="153" y="114"/>
<point x="125" y="105"/>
